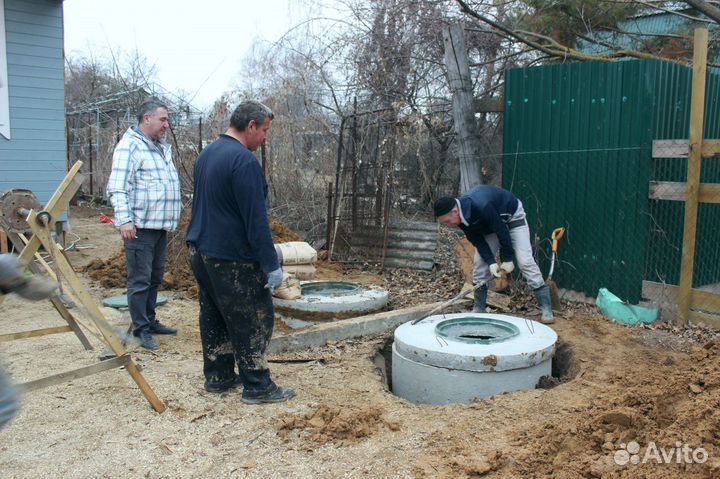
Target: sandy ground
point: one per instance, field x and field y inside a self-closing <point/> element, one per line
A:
<point x="651" y="385"/>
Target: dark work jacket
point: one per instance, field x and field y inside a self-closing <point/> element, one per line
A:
<point x="487" y="209"/>
<point x="229" y="219"/>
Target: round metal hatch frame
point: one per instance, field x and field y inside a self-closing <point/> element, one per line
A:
<point x="476" y="330"/>
<point x="330" y="288"/>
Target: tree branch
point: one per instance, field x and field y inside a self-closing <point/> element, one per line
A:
<point x="559" y="51"/>
<point x="709" y="10"/>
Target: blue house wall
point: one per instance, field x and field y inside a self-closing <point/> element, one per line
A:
<point x="34" y="157"/>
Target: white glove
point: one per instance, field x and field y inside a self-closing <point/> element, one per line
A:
<point x="507" y="266"/>
<point x="274" y="280"/>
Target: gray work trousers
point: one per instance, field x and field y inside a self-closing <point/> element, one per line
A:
<point x="145" y="256"/>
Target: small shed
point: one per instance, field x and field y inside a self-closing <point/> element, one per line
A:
<point x="32" y="93"/>
<point x="578" y="151"/>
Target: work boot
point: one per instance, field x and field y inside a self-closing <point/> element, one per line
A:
<point x="222" y="386"/>
<point x="159" y="328"/>
<point x="543" y="297"/>
<point x="480" y="299"/>
<point x="276" y="394"/>
<point x="147" y="341"/>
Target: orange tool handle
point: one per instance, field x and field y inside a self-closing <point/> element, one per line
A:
<point x="557" y="234"/>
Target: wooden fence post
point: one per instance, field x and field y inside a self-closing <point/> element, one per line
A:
<point x="697" y="113"/>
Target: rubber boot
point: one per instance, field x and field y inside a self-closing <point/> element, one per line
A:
<point x="480" y="299"/>
<point x="543" y="297"/>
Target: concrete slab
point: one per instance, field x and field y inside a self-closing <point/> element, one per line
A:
<point x="320" y="334"/>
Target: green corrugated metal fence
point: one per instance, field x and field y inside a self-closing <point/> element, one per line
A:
<point x="578" y="153"/>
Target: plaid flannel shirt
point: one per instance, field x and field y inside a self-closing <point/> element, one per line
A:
<point x="144" y="187"/>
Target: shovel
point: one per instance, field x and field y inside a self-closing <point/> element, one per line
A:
<point x="454" y="300"/>
<point x="557" y="234"/>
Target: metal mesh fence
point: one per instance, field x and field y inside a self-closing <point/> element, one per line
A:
<point x="624" y="211"/>
<point x="683" y="242"/>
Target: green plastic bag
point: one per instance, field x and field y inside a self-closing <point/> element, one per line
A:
<point x="616" y="310"/>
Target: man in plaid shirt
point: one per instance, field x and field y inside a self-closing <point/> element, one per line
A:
<point x="144" y="190"/>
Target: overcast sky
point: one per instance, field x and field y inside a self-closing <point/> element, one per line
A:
<point x="196" y="46"/>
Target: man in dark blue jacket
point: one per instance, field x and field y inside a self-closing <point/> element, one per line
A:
<point x="233" y="259"/>
<point x="493" y="218"/>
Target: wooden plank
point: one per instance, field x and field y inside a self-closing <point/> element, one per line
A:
<point x="677" y="191"/>
<point x="96" y="315"/>
<point x="72" y="322"/>
<point x="55" y="206"/>
<point x="35" y="333"/>
<point x="75" y="374"/>
<point x="668" y="294"/>
<point x="489" y="105"/>
<point x="660" y="293"/>
<point x="710" y="148"/>
<point x="667" y="190"/>
<point x="712" y="320"/>
<point x="20" y="242"/>
<point x="697" y="112"/>
<point x="681" y="148"/>
<point x="147" y="391"/>
<point x="3" y="241"/>
<point x="83" y="295"/>
<point x="705" y="300"/>
<point x="670" y="148"/>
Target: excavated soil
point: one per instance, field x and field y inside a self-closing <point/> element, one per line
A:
<point x="112" y="272"/>
<point x="624" y="402"/>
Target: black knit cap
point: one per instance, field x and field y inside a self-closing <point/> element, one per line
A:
<point x="444" y="205"/>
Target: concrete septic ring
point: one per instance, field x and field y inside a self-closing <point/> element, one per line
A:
<point x="457" y="358"/>
<point x="328" y="298"/>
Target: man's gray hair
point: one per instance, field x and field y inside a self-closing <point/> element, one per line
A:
<point x="148" y="108"/>
<point x="250" y="110"/>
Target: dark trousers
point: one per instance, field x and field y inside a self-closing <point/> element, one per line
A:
<point x="145" y="256"/>
<point x="9" y="403"/>
<point x="236" y="321"/>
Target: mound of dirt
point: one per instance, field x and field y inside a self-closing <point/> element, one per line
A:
<point x="341" y="426"/>
<point x="112" y="273"/>
<point x="453" y="458"/>
<point x="281" y="233"/>
<point x="668" y="409"/>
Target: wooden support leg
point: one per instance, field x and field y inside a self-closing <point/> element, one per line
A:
<point x="3" y="241"/>
<point x="59" y="306"/>
<point x="64" y="268"/>
<point x="147" y="391"/>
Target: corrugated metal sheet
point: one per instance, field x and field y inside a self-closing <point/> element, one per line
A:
<point x="35" y="156"/>
<point x="649" y="24"/>
<point x="672" y="121"/>
<point x="411" y="244"/>
<point x="578" y="153"/>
